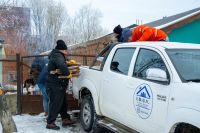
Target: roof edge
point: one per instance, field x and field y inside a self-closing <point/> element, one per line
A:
<point x="178" y="20"/>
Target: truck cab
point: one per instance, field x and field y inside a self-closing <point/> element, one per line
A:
<point x="149" y="87"/>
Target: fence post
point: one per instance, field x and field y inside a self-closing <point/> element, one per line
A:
<point x="21" y="74"/>
<point x="86" y="61"/>
<point x="83" y="60"/>
<point x="18" y="64"/>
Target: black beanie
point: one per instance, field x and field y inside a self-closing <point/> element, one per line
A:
<point x="118" y="30"/>
<point x="61" y="45"/>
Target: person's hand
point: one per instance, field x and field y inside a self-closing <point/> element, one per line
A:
<point x="69" y="76"/>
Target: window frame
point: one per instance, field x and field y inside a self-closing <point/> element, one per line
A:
<point x="154" y="81"/>
<point x="134" y="48"/>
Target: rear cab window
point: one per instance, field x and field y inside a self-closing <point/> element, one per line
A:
<point x="121" y="60"/>
<point x="99" y="61"/>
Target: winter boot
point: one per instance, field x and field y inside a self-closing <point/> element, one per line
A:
<point x="67" y="122"/>
<point x="53" y="126"/>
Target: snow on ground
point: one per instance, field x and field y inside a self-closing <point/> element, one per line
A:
<point x="1" y="130"/>
<point x="36" y="124"/>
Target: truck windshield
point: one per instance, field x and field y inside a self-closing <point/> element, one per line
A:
<point x="187" y="63"/>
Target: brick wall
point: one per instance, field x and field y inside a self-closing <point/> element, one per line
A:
<point x="15" y="30"/>
<point x="93" y="47"/>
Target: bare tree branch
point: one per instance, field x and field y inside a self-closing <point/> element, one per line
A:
<point x="84" y="26"/>
<point x="48" y="17"/>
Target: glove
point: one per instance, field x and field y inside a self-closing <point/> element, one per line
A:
<point x="69" y="76"/>
<point x="72" y="62"/>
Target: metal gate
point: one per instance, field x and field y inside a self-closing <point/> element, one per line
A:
<point x="32" y="104"/>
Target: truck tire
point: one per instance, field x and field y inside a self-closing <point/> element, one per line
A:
<point x="186" y="128"/>
<point x="87" y="115"/>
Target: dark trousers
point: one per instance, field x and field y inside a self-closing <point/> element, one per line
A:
<point x="57" y="103"/>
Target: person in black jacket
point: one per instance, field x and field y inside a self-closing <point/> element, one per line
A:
<point x="56" y="87"/>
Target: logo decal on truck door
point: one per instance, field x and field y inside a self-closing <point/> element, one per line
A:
<point x="143" y="101"/>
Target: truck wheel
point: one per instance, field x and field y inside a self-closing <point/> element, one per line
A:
<point x="87" y="115"/>
<point x="186" y="128"/>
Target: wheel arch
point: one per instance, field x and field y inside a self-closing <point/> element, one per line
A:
<point x="181" y="125"/>
<point x="89" y="89"/>
<point x="184" y="116"/>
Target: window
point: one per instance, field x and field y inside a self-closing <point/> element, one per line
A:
<point x="187" y="63"/>
<point x="147" y="59"/>
<point x="99" y="61"/>
<point x="121" y="60"/>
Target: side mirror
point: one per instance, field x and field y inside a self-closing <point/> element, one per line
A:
<point x="100" y="58"/>
<point x="156" y="74"/>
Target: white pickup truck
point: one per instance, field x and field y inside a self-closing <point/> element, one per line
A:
<point x="148" y="87"/>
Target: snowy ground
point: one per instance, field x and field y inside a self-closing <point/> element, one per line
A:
<point x="1" y="128"/>
<point x="37" y="124"/>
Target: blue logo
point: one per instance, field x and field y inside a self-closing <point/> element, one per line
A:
<point x="143" y="101"/>
<point x="143" y="92"/>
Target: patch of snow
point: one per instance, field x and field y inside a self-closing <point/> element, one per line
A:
<point x="1" y="129"/>
<point x="11" y="93"/>
<point x="37" y="124"/>
<point x="9" y="87"/>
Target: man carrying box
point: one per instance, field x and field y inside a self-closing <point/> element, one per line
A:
<point x="56" y="87"/>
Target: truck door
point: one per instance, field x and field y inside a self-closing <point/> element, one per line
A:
<point x="113" y="93"/>
<point x="150" y="98"/>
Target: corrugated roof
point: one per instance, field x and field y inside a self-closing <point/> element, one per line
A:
<point x="166" y="20"/>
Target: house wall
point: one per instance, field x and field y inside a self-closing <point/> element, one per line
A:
<point x="92" y="47"/>
<point x="15" y="34"/>
<point x="189" y="33"/>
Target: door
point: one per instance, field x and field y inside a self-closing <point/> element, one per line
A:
<point x="149" y="98"/>
<point x="113" y="94"/>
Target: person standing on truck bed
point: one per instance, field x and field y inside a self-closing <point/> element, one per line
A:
<point x="139" y="33"/>
<point x="56" y="87"/>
